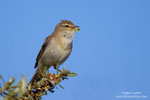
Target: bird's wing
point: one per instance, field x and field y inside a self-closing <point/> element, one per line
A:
<point x="40" y="54"/>
<point x="42" y="50"/>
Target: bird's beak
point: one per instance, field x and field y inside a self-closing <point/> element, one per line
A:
<point x="76" y="28"/>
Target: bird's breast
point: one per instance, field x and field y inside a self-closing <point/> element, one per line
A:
<point x="55" y="53"/>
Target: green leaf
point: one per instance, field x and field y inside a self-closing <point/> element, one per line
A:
<point x="5" y="87"/>
<point x="11" y="80"/>
<point x="72" y="74"/>
<point x="61" y="86"/>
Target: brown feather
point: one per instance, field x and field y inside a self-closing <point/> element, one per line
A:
<point x="42" y="50"/>
<point x="46" y="43"/>
<point x="67" y="22"/>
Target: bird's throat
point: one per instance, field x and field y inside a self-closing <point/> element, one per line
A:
<point x="68" y="37"/>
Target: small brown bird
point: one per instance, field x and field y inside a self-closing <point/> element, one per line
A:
<point x="56" y="48"/>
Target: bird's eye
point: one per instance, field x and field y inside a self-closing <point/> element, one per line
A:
<point x="66" y="25"/>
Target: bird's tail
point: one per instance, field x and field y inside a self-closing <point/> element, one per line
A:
<point x="38" y="75"/>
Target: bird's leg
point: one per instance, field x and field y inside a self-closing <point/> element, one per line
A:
<point x="46" y="68"/>
<point x="57" y="68"/>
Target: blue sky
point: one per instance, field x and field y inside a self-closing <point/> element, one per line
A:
<point x="111" y="53"/>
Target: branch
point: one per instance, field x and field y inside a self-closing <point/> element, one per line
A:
<point x="35" y="90"/>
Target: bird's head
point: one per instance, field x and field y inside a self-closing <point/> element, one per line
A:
<point x="65" y="30"/>
<point x="66" y="25"/>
